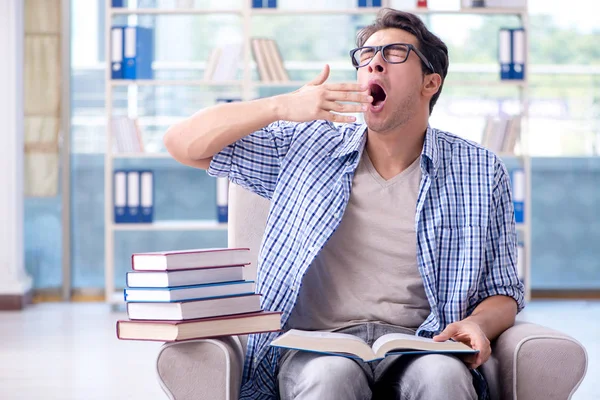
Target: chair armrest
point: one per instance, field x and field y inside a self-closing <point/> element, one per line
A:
<point x="535" y="363"/>
<point x="203" y="369"/>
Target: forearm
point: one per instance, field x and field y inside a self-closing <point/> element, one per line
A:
<point x="208" y="131"/>
<point x="494" y="315"/>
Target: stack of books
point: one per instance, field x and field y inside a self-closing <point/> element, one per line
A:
<point x="192" y="294"/>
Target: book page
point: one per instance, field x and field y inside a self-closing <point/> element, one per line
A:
<point x="323" y="335"/>
<point x="325" y="342"/>
<point x="393" y="341"/>
<point x="394" y="336"/>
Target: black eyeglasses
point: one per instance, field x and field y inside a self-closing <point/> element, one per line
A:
<point x="393" y="53"/>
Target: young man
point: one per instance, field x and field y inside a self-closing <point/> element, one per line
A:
<point x="388" y="226"/>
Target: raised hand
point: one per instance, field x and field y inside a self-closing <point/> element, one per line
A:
<point x="318" y="100"/>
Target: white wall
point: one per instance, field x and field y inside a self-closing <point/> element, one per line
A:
<point x="13" y="278"/>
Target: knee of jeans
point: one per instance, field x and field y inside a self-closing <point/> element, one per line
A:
<point x="334" y="371"/>
<point x="434" y="373"/>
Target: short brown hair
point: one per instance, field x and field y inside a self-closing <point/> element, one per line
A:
<point x="429" y="44"/>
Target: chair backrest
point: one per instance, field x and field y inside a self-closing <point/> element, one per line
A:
<point x="247" y="215"/>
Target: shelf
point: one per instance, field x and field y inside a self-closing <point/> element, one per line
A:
<point x="142" y="155"/>
<point x="173" y="11"/>
<point x="199" y="225"/>
<point x="498" y="83"/>
<point x="374" y="10"/>
<point x="172" y="82"/>
<point x="331" y="11"/>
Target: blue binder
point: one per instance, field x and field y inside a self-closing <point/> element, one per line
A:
<point x="369" y="3"/>
<point x="146" y="196"/>
<point x="517" y="64"/>
<point x="120" y="196"/>
<point x="222" y="199"/>
<point x="518" y="189"/>
<point x="138" y="52"/>
<point x="117" y="3"/>
<point x="272" y="3"/>
<point x="116" y="52"/>
<point x="132" y="210"/>
<point x="505" y="53"/>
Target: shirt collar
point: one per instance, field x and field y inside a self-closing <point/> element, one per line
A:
<point x="430" y="159"/>
<point x="356" y="139"/>
<point x="353" y="142"/>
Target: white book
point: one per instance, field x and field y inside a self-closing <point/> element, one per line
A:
<point x="194" y="309"/>
<point x="195" y="292"/>
<point x="185" y="277"/>
<point x="190" y="259"/>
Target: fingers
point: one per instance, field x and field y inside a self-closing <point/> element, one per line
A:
<point x="344" y="108"/>
<point x="322" y="77"/>
<point x="329" y="116"/>
<point x="446" y="334"/>
<point x="354" y="97"/>
<point x="345" y="87"/>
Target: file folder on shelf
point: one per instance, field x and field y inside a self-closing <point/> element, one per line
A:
<point x="222" y="199"/>
<point x="133" y="196"/>
<point x="138" y="47"/>
<point x="120" y="196"/>
<point x="518" y="54"/>
<point x="505" y="53"/>
<point x="264" y="3"/>
<point x="116" y="52"/>
<point x="369" y="3"/>
<point x="518" y="189"/>
<point x="147" y="196"/>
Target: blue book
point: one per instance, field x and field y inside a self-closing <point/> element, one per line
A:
<point x="116" y="52"/>
<point x="117" y="3"/>
<point x="120" y="196"/>
<point x="146" y="196"/>
<point x="138" y="52"/>
<point x="192" y="292"/>
<point x="259" y="3"/>
<point x="272" y="3"/>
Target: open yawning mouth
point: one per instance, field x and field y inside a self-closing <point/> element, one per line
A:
<point x="379" y="96"/>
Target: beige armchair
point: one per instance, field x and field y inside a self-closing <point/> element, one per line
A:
<point x="529" y="362"/>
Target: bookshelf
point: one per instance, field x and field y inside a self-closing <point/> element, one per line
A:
<point x="247" y="85"/>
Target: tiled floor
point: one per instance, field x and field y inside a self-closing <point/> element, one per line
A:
<point x="70" y="351"/>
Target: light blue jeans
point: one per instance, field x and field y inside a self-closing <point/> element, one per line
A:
<point x="306" y="375"/>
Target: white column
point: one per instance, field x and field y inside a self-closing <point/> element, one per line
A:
<point x="14" y="281"/>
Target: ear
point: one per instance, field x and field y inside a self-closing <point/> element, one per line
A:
<point x="431" y="85"/>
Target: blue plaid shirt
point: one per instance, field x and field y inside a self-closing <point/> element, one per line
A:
<point x="466" y="234"/>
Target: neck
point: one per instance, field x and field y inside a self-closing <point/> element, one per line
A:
<point x="393" y="152"/>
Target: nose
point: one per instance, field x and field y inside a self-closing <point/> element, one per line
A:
<point x="377" y="63"/>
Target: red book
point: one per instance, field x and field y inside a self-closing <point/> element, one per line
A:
<point x="190" y="259"/>
<point x="422" y="3"/>
<point x="175" y="331"/>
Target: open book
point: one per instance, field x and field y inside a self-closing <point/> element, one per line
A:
<point x="346" y="345"/>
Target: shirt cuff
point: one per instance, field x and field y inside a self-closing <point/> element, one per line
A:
<point x="220" y="164"/>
